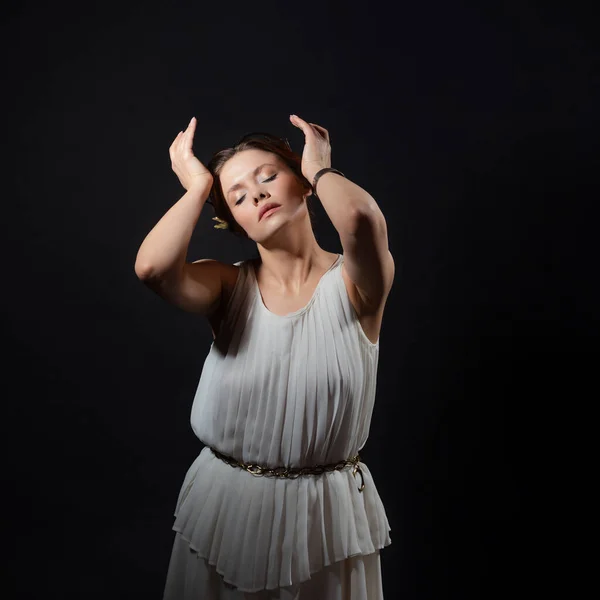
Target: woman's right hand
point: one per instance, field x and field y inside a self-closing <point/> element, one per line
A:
<point x="190" y="171"/>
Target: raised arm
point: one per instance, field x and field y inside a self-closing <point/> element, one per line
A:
<point x="161" y="259"/>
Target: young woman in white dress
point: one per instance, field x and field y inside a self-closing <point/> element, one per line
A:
<point x="260" y="189"/>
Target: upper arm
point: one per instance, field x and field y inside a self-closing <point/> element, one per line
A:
<point x="197" y="288"/>
<point x="369" y="262"/>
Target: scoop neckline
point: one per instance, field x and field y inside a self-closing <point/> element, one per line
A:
<point x="300" y="310"/>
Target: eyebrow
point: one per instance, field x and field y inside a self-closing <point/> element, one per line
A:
<point x="255" y="172"/>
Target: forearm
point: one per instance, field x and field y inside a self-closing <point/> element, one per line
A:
<point x="345" y="202"/>
<point x="165" y="248"/>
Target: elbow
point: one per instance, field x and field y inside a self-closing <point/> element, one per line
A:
<point x="143" y="271"/>
<point x="370" y="212"/>
<point x="368" y="218"/>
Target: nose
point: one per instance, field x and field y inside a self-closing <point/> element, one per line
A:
<point x="261" y="195"/>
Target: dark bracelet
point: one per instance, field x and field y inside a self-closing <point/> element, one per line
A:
<point x="322" y="172"/>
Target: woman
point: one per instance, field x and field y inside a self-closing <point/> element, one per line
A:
<point x="277" y="505"/>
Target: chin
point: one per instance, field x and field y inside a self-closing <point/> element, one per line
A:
<point x="268" y="230"/>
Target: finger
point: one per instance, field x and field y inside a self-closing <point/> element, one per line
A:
<point x="178" y="142"/>
<point x="184" y="135"/>
<point x="173" y="147"/>
<point x="321" y="130"/>
<point x="175" y="140"/>
<point x="301" y="124"/>
<point x="188" y="134"/>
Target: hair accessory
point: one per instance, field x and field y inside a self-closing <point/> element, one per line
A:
<point x="320" y="173"/>
<point x="221" y="224"/>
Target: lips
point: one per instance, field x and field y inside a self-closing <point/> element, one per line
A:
<point x="267" y="207"/>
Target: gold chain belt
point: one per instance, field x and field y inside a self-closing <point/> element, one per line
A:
<point x="293" y="473"/>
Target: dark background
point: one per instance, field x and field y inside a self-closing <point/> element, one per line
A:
<point x="472" y="124"/>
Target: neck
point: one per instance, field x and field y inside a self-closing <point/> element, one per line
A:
<point x="290" y="271"/>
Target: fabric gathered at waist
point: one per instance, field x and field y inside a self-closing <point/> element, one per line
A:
<point x="293" y="473"/>
<point x="269" y="532"/>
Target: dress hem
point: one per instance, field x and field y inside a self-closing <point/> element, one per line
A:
<point x="253" y="590"/>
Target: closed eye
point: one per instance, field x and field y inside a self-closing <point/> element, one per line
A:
<point x="265" y="181"/>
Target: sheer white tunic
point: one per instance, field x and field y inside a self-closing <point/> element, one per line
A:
<point x="295" y="390"/>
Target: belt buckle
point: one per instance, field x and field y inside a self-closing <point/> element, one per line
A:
<point x="354" y="471"/>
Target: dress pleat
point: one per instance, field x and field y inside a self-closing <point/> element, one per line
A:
<point x="191" y="577"/>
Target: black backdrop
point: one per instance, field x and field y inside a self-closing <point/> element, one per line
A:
<point x="474" y="127"/>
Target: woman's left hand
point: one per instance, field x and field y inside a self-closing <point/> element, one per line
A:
<point x="317" y="150"/>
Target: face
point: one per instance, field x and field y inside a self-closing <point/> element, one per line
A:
<point x="253" y="178"/>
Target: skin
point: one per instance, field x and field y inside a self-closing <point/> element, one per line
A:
<point x="285" y="240"/>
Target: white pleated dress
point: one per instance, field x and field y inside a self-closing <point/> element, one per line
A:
<point x="295" y="390"/>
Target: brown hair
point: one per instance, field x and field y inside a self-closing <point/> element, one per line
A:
<point x="260" y="141"/>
